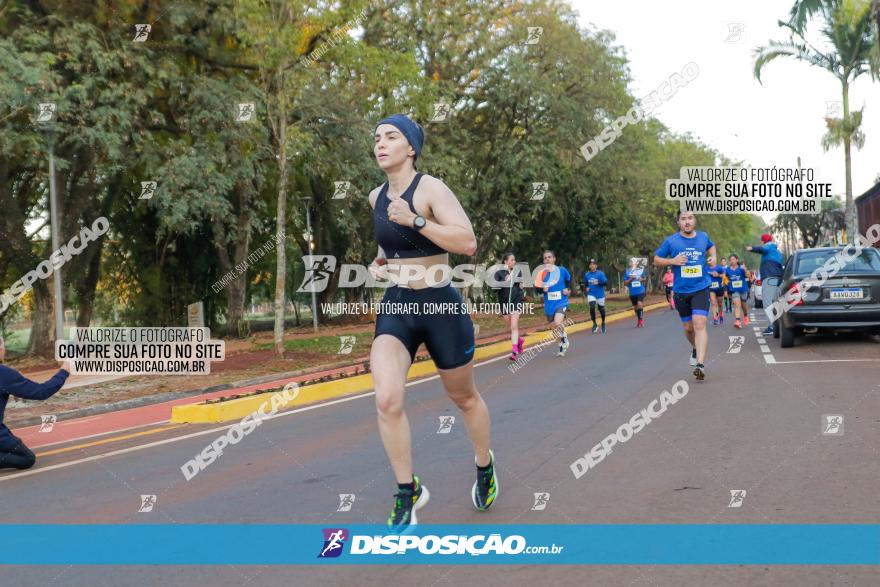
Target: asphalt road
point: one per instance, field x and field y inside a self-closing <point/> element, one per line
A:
<point x="755" y="424"/>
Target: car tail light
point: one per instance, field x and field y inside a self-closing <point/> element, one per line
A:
<point x="795" y="295"/>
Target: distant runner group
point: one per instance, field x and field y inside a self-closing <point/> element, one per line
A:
<point x="696" y="284"/>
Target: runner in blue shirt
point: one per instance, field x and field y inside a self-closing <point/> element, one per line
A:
<point x="738" y="286"/>
<point x="716" y="293"/>
<point x="555" y="282"/>
<point x="594" y="284"/>
<point x="690" y="253"/>
<point x="634" y="278"/>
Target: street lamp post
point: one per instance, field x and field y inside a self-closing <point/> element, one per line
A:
<point x="56" y="241"/>
<point x="310" y="242"/>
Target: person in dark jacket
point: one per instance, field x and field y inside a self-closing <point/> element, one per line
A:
<point x="771" y="273"/>
<point x="13" y="452"/>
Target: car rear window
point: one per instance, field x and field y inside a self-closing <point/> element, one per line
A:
<point x="867" y="261"/>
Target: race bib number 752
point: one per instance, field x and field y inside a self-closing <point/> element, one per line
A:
<point x="691" y="271"/>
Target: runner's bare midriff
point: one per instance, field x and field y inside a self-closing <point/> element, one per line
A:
<point x="413" y="272"/>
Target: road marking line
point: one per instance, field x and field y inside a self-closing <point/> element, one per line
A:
<point x="761" y="340"/>
<point x="830" y="361"/>
<point x="767" y="358"/>
<point x="106" y="440"/>
<point x="130" y="449"/>
<point x="76" y="438"/>
<point x="765" y="348"/>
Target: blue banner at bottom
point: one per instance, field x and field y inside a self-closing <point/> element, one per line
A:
<point x="596" y="544"/>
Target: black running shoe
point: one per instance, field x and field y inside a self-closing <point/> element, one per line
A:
<point x="700" y="372"/>
<point x="485" y="488"/>
<point x="406" y="503"/>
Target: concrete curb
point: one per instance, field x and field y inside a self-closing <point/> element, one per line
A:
<point x="236" y="409"/>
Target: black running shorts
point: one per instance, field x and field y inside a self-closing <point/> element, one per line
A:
<point x="511" y="301"/>
<point x="636" y="299"/>
<point x="435" y="316"/>
<point x="692" y="304"/>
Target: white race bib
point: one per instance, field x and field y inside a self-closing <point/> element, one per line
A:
<point x="736" y="284"/>
<point x="554" y="295"/>
<point x="715" y="285"/>
<point x="636" y="284"/>
<point x="691" y="271"/>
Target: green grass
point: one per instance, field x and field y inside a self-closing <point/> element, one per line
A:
<point x="325" y="345"/>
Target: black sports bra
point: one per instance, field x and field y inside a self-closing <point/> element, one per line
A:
<point x="398" y="241"/>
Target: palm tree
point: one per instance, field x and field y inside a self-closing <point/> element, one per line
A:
<point x="847" y="25"/>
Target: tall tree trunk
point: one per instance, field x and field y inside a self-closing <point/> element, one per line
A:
<point x="850" y="218"/>
<point x="42" y="339"/>
<point x="236" y="290"/>
<point x="281" y="215"/>
<point x="85" y="288"/>
<point x="236" y="325"/>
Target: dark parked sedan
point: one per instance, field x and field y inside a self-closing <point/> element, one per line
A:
<point x="849" y="300"/>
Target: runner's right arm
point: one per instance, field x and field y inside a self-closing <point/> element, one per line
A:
<point x="14" y="383"/>
<point x="662" y="259"/>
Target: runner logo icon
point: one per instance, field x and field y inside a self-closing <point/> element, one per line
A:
<point x="346" y="500"/>
<point x="334" y="540"/>
<point x="446" y="423"/>
<point x="832" y="424"/>
<point x="736" y="498"/>
<point x="319" y="268"/>
<point x="147" y="503"/>
<point x="346" y="344"/>
<point x="541" y="500"/>
<point x="736" y="344"/>
<point x="47" y="423"/>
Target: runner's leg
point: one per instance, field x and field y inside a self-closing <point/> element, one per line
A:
<point x="701" y="337"/>
<point x="461" y="389"/>
<point x="390" y="361"/>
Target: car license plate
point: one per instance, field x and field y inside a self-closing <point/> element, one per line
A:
<point x="853" y="293"/>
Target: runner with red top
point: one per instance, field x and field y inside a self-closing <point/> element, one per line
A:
<point x="667" y="283"/>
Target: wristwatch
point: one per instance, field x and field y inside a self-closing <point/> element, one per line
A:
<point x="419" y="222"/>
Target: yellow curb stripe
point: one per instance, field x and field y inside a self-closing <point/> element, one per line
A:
<point x="237" y="409"/>
<point x="104" y="441"/>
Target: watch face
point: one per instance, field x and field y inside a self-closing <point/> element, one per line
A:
<point x="419" y="222"/>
